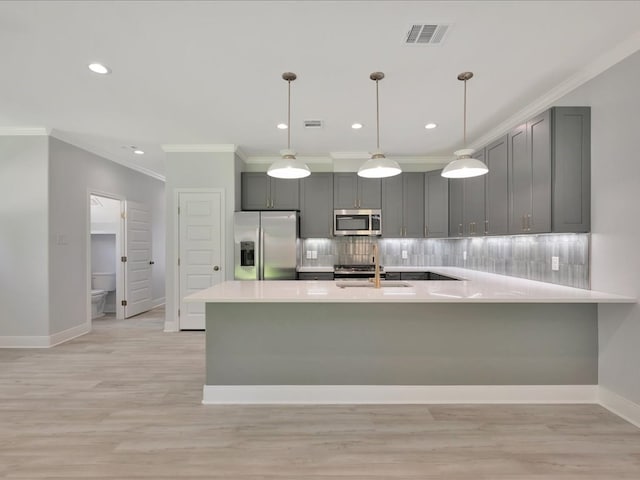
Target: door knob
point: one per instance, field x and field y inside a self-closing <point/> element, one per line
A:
<point x="152" y="262"/>
<point x="216" y="268"/>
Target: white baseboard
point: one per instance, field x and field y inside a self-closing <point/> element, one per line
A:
<point x="620" y="406"/>
<point x="397" y="394"/>
<point x="44" y="341"/>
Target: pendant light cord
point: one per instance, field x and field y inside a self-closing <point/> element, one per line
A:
<point x="289" y="116"/>
<point x="377" y="118"/>
<point x="464" y="122"/>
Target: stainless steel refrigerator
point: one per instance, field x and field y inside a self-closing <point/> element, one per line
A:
<point x="265" y="245"/>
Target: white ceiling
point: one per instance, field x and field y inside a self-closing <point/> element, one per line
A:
<point x="197" y="72"/>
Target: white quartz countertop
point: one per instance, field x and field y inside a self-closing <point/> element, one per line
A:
<point x="315" y="269"/>
<point x="474" y="287"/>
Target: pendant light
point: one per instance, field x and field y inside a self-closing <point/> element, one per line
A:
<point x="378" y="166"/>
<point x="464" y="166"/>
<point x="288" y="166"/>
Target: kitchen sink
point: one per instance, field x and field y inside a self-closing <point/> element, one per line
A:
<point x="368" y="284"/>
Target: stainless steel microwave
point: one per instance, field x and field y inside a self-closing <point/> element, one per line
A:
<point x="357" y="222"/>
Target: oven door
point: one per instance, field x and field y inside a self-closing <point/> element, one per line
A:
<point x="356" y="222"/>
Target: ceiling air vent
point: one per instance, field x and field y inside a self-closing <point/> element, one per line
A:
<point x="313" y="124"/>
<point x="426" y="34"/>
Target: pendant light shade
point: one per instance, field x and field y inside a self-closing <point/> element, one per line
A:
<point x="378" y="166"/>
<point x="464" y="166"/>
<point x="288" y="166"/>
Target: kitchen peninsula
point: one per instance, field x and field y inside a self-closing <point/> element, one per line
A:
<point x="315" y="342"/>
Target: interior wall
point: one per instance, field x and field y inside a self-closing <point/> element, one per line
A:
<point x="73" y="173"/>
<point x="615" y="256"/>
<point x="197" y="170"/>
<point x="24" y="237"/>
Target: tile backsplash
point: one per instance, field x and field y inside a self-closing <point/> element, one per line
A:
<point x="526" y="256"/>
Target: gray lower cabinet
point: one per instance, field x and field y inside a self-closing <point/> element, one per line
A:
<point x="571" y="163"/>
<point x="497" y="188"/>
<point x="315" y="275"/>
<point x="436" y="205"/>
<point x="530" y="176"/>
<point x="316" y="206"/>
<point x="262" y="192"/>
<point x="403" y="206"/>
<point x="351" y="191"/>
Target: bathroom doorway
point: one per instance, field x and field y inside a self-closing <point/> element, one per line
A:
<point x="106" y="247"/>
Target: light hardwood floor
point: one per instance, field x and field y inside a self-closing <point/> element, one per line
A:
<point x="124" y="403"/>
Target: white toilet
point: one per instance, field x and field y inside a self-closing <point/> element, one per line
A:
<point x="101" y="285"/>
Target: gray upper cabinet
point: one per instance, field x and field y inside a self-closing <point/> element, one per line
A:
<point x="403" y="206"/>
<point x="497" y="188"/>
<point x="456" y="198"/>
<point x="530" y="176"/>
<point x="351" y="191"/>
<point x="473" y="210"/>
<point x="571" y="162"/>
<point x="436" y="205"/>
<point x="262" y="192"/>
<point x="316" y="206"/>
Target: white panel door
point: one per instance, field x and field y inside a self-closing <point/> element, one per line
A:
<point x="201" y="251"/>
<point x="138" y="265"/>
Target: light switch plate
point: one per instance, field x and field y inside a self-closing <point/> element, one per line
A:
<point x="404" y="255"/>
<point x="314" y="254"/>
<point x="309" y="254"/>
<point x="555" y="263"/>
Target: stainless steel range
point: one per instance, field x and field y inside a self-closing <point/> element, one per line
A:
<point x="356" y="271"/>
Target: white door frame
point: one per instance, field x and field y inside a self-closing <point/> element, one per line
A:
<point x="120" y="246"/>
<point x="176" y="240"/>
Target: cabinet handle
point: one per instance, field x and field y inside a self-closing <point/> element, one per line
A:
<point x="460" y="229"/>
<point x="528" y="222"/>
<point x="426" y="231"/>
<point x="405" y="231"/>
<point x="523" y="226"/>
<point x="486" y="227"/>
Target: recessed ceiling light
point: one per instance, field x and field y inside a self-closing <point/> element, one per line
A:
<point x="99" y="68"/>
<point x="137" y="151"/>
<point x="282" y="126"/>
<point x="356" y="126"/>
<point x="430" y="126"/>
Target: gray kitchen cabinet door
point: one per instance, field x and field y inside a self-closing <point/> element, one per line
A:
<point x="255" y="191"/>
<point x="456" y="198"/>
<point x="352" y="191"/>
<point x="539" y="146"/>
<point x="520" y="174"/>
<point x="436" y="208"/>
<point x="392" y="207"/>
<point x="413" y="204"/>
<point x="369" y="192"/>
<point x="285" y="194"/>
<point x="345" y="190"/>
<point x="473" y="210"/>
<point x="497" y="188"/>
<point x="571" y="169"/>
<point x="316" y="206"/>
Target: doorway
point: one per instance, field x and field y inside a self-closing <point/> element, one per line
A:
<point x="106" y="247"/>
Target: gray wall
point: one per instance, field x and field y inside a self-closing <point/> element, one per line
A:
<point x="103" y="253"/>
<point x="73" y="173"/>
<point x="194" y="170"/>
<point x="24" y="234"/>
<point x="615" y="181"/>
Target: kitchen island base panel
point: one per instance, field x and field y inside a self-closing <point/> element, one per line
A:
<point x="401" y="344"/>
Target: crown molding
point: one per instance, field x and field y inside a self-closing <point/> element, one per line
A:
<point x="200" y="148"/>
<point x="596" y="67"/>
<point x="243" y="156"/>
<point x="268" y="159"/>
<point x="105" y="155"/>
<point x="24" y="131"/>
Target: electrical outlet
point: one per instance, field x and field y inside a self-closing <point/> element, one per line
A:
<point x="309" y="254"/>
<point x="555" y="263"/>
<point x="464" y="255"/>
<point x="404" y="255"/>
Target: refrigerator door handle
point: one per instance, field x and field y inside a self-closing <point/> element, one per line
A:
<point x="261" y="258"/>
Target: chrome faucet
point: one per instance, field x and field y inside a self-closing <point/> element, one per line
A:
<point x="376" y="259"/>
